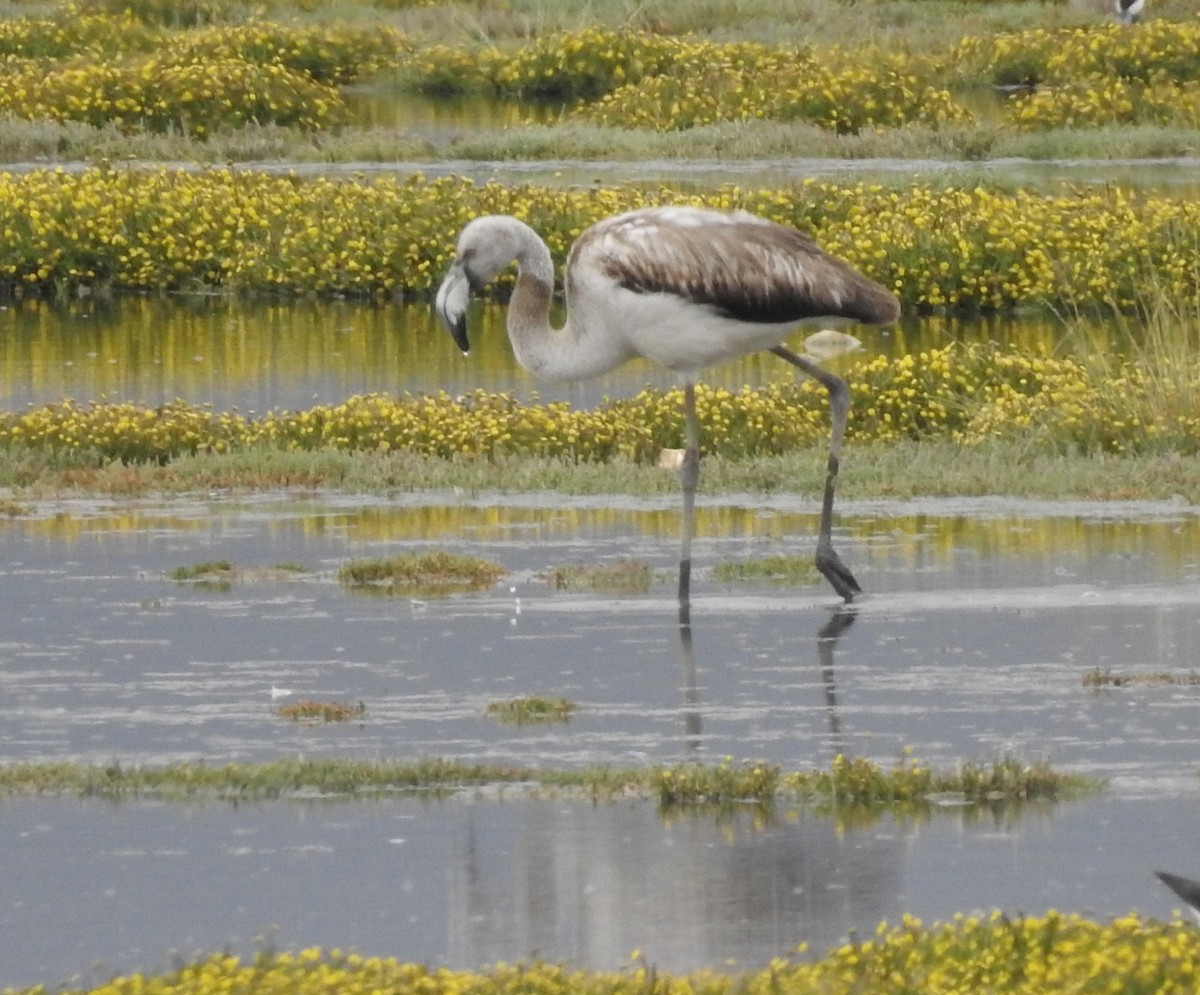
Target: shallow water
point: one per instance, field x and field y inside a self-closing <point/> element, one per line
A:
<point x="90" y="889"/>
<point x="982" y="619"/>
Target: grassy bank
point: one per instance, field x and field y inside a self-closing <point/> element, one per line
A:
<point x="963" y="421"/>
<point x="896" y="470"/>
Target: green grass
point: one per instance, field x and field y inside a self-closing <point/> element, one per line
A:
<point x="778" y="569"/>
<point x="870" y="470"/>
<point x="623" y="575"/>
<point x="322" y="711"/>
<point x="847" y="783"/>
<point x="531" y="710"/>
<point x="433" y="574"/>
<point x="207" y="570"/>
<point x="23" y="141"/>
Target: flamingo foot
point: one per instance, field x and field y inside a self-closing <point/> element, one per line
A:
<point x="837" y="573"/>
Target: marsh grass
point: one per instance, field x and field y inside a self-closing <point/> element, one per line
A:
<point x="201" y="571"/>
<point x="212" y="575"/>
<point x="849" y="782"/>
<point x="322" y="711"/>
<point x="220" y="575"/>
<point x="1018" y="466"/>
<point x="432" y="574"/>
<point x="1098" y="678"/>
<point x="779" y="569"/>
<point x="23" y="141"/>
<point x="531" y="710"/>
<point x="623" y="575"/>
<point x="1158" y="342"/>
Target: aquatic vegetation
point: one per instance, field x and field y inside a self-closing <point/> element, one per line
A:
<point x="622" y="575"/>
<point x="532" y="710"/>
<point x="855" y="781"/>
<point x="1097" y="678"/>
<point x="322" y="711"/>
<point x="432" y="574"/>
<point x="780" y="569"/>
<point x="848" y="783"/>
<point x="207" y="570"/>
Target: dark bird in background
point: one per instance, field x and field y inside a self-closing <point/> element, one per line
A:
<point x="1129" y="11"/>
<point x="684" y="287"/>
<point x="1185" y="888"/>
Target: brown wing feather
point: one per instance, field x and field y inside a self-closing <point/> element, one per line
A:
<point x="741" y="266"/>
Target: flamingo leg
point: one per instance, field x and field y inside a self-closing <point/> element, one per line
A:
<point x="689" y="476"/>
<point x="827" y="559"/>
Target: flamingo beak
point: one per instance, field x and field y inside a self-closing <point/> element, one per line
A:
<point x="451" y="305"/>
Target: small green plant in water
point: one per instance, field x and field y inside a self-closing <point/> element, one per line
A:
<point x="624" y="575"/>
<point x="323" y="711"/>
<point x="532" y="709"/>
<point x="434" y="574"/>
<point x="1098" y="678"/>
<point x="213" y="575"/>
<point x="202" y="571"/>
<point x="778" y="569"/>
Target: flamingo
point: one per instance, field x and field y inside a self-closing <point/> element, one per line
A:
<point x="684" y="287"/>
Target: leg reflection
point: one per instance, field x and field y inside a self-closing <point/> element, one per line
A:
<point x="827" y="639"/>
<point x="839" y="621"/>
<point x="687" y="663"/>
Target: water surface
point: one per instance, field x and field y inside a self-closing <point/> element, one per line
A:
<point x="254" y="356"/>
<point x="981" y="621"/>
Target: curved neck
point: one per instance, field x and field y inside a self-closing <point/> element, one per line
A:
<point x="569" y="353"/>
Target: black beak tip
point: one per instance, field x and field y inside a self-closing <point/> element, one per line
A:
<point x="458" y="332"/>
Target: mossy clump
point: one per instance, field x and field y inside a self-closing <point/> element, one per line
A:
<point x="532" y="710"/>
<point x="433" y="574"/>
<point x="202" y="571"/>
<point x="322" y="711"/>
<point x="623" y="576"/>
<point x="211" y="575"/>
<point x="1097" y="678"/>
<point x="848" y="782"/>
<point x="779" y="569"/>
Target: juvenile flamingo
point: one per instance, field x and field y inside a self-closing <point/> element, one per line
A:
<point x="685" y="287"/>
